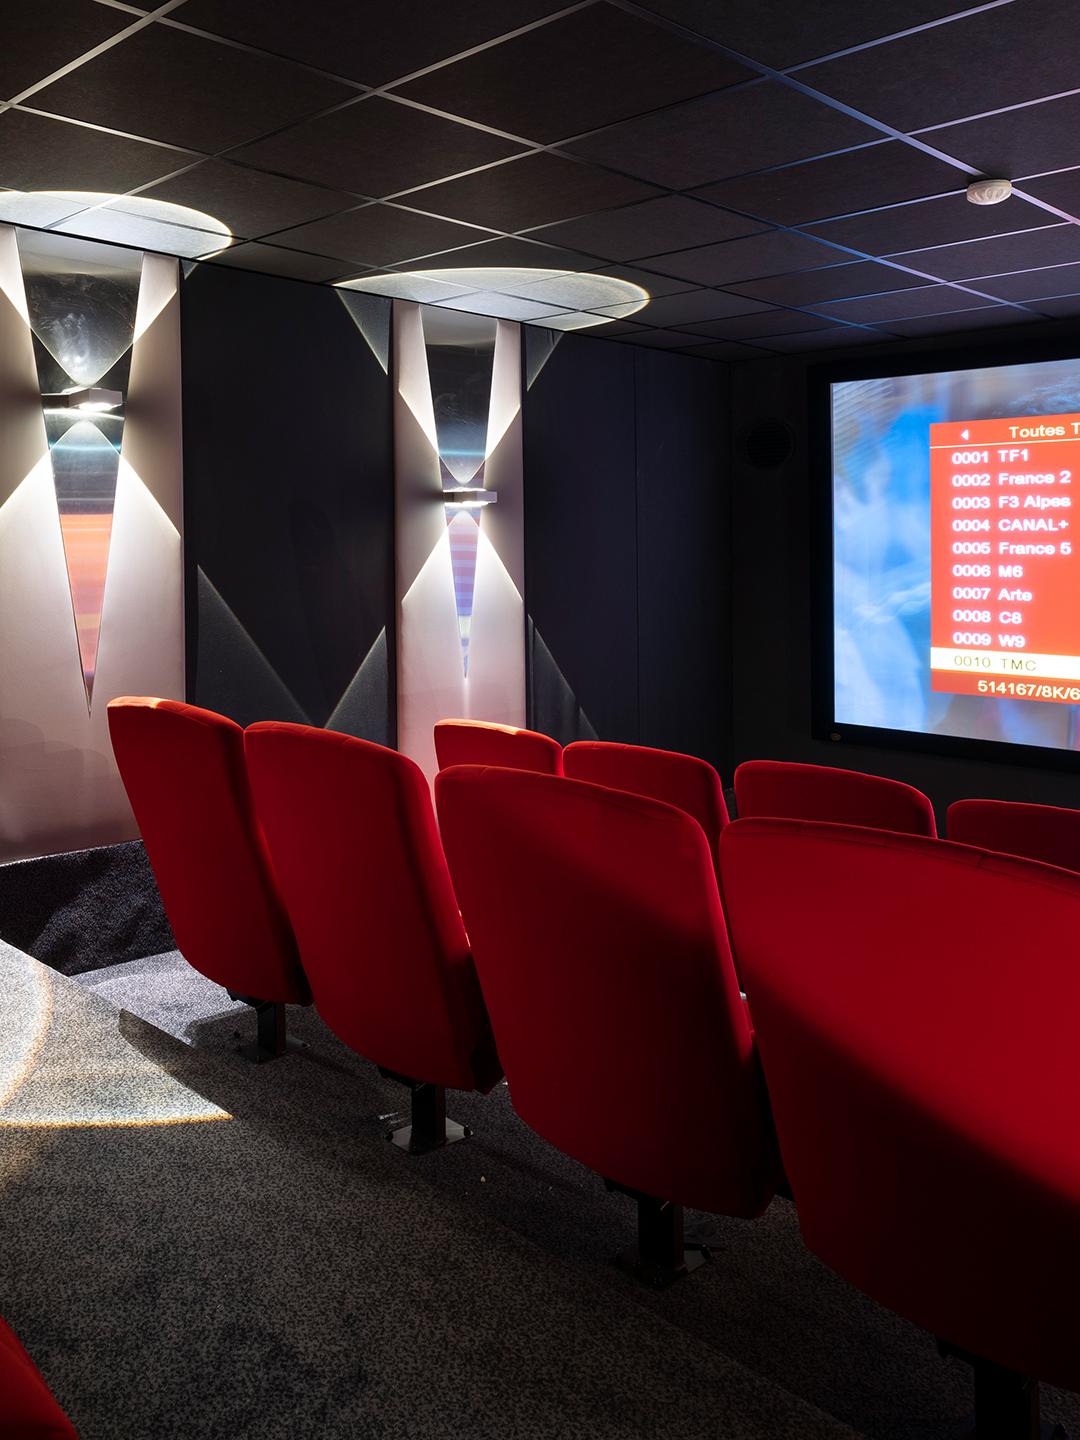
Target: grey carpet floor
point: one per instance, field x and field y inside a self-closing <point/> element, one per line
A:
<point x="192" y="1246"/>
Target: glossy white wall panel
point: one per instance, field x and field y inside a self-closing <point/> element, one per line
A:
<point x="431" y="680"/>
<point x="59" y="788"/>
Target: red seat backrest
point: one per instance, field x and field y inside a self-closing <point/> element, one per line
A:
<point x="479" y="742"/>
<point x="353" y="839"/>
<point x="684" y="781"/>
<point x="915" y="1005"/>
<point x="185" y="776"/>
<point x="28" y="1410"/>
<point x="600" y="944"/>
<point x="820" y="792"/>
<point x="1039" y="832"/>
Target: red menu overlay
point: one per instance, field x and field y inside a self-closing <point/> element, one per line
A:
<point x="1004" y="573"/>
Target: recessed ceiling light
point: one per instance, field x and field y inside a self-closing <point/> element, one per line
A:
<point x="989" y="192"/>
<point x="566" y="296"/>
<point x="135" y="220"/>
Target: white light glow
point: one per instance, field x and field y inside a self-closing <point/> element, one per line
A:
<point x="136" y="220"/>
<point x="87" y="398"/>
<point x="565" y="299"/>
<point x="469" y="499"/>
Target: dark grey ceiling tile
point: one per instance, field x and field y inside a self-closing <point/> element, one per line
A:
<point x="38" y="39"/>
<point x="771" y="322"/>
<point x="996" y="57"/>
<point x="180" y="88"/>
<point x="770" y="253"/>
<point x="1054" y="245"/>
<point x="648" y="279"/>
<point x="510" y="251"/>
<point x="824" y="339"/>
<point x="657" y="339"/>
<point x="373" y="44"/>
<point x="725" y="350"/>
<point x="248" y="201"/>
<point x="929" y="222"/>
<point x="377" y="235"/>
<point x="864" y="277"/>
<point x="695" y="305"/>
<point x="37" y="153"/>
<point x="1034" y="284"/>
<point x="1060" y="305"/>
<point x="860" y="179"/>
<point x="730" y="133"/>
<point x="376" y="147"/>
<point x="535" y="190"/>
<point x="670" y="222"/>
<point x="1062" y="189"/>
<point x="901" y="305"/>
<point x="614" y="329"/>
<point x="993" y="316"/>
<point x="269" y="260"/>
<point x="591" y="68"/>
<point x="1025" y="141"/>
<point x="786" y="32"/>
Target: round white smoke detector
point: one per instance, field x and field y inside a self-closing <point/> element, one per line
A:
<point x="989" y="192"/>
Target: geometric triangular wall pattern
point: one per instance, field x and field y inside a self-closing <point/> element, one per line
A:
<point x="82" y="304"/>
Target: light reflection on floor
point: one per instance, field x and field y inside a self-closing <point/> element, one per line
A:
<point x="64" y="1063"/>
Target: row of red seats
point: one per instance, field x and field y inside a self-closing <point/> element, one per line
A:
<point x="926" y="1153"/>
<point x="774" y="788"/>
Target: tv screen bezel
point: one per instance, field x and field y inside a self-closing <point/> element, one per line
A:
<point x="820" y="379"/>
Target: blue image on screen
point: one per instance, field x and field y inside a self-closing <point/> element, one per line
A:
<point x="881" y="549"/>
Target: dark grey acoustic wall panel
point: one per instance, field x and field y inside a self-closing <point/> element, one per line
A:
<point x="626" y="545"/>
<point x="580" y="538"/>
<point x="288" y="483"/>
<point x="684" y="661"/>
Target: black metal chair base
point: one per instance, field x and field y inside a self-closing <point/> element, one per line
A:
<point x="258" y="1055"/>
<point x="1006" y="1404"/>
<point x="429" y="1128"/>
<point x="661" y="1255"/>
<point x="658" y="1275"/>
<point x="271" y="1041"/>
<point x="406" y="1137"/>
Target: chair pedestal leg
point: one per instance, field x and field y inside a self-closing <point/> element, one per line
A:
<point x="429" y="1129"/>
<point x="661" y="1255"/>
<point x="1006" y="1406"/>
<point x="270" y="1040"/>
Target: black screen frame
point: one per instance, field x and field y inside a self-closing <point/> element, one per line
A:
<point x="820" y="379"/>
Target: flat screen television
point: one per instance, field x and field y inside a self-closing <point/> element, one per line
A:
<point x="949" y="598"/>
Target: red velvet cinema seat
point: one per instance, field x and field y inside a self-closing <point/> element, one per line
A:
<point x="186" y="778"/>
<point x="931" y="1143"/>
<point x="1049" y="833"/>
<point x="820" y="792"/>
<point x="28" y="1410"/>
<point x="479" y="742"/>
<point x="684" y="781"/>
<point x="352" y="833"/>
<point x="600" y="943"/>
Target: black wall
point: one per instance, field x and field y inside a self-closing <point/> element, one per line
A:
<point x="773" y="532"/>
<point x="288" y="480"/>
<point x="626" y="539"/>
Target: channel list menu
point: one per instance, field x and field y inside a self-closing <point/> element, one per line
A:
<point x="1005" y="578"/>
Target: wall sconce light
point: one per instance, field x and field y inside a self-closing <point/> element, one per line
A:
<point x="465" y="497"/>
<point x="93" y="399"/>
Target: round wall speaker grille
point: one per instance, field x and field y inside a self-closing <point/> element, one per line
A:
<point x="767" y="444"/>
